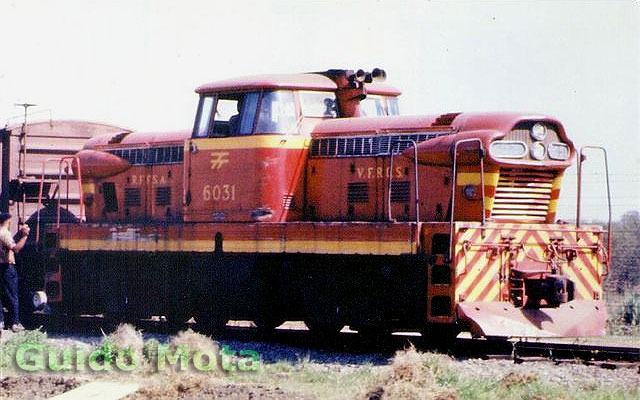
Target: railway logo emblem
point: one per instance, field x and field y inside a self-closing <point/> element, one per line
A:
<point x="218" y="159"/>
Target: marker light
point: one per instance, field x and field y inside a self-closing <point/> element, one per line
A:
<point x="508" y="149"/>
<point x="558" y="151"/>
<point x="538" y="132"/>
<point x="538" y="151"/>
<point x="469" y="191"/>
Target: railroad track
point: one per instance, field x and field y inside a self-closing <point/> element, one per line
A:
<point x="606" y="355"/>
<point x="580" y="351"/>
<point x="520" y="350"/>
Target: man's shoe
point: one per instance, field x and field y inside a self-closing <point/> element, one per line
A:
<point x="17" y="327"/>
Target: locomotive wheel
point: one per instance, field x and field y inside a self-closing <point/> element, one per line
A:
<point x="322" y="305"/>
<point x="267" y="324"/>
<point x="177" y="321"/>
<point x="323" y="329"/>
<point x="209" y="322"/>
<point x="52" y="320"/>
<point x="440" y="336"/>
<point x="112" y="320"/>
<point x="374" y="335"/>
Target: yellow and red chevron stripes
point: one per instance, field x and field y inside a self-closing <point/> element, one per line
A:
<point x="482" y="257"/>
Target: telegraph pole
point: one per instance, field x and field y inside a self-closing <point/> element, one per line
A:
<point x="22" y="155"/>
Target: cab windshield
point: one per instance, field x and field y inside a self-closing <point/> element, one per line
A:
<point x="238" y="114"/>
<point x="379" y="106"/>
<point x="318" y="104"/>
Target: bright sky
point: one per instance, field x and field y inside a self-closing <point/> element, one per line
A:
<point x="136" y="63"/>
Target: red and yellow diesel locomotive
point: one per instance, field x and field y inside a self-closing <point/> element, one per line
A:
<point x="308" y="197"/>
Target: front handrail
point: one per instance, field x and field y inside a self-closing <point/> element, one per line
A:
<point x="581" y="158"/>
<point x="454" y="184"/>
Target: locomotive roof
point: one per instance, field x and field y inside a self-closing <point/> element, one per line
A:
<point x="501" y="121"/>
<point x="304" y="81"/>
<point x="137" y="138"/>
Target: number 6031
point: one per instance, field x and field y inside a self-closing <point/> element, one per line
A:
<point x="224" y="192"/>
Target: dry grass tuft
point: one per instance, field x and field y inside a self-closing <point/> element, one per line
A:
<point x="126" y="338"/>
<point x="409" y="377"/>
<point x="518" y="379"/>
<point x="196" y="342"/>
<point x="171" y="386"/>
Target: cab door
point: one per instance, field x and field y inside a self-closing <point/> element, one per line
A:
<point x="220" y="161"/>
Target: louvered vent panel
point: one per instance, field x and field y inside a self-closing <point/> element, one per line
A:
<point x="131" y="197"/>
<point x="369" y="145"/>
<point x="163" y="195"/>
<point x="400" y="192"/>
<point x="522" y="195"/>
<point x="287" y="201"/>
<point x="358" y="192"/>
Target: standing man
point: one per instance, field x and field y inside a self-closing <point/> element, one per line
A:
<point x="8" y="273"/>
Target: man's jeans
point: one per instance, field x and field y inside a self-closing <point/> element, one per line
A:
<point x="9" y="286"/>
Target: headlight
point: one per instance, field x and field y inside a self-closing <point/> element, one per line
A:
<point x="538" y="132"/>
<point x="538" y="151"/>
<point x="558" y="151"/>
<point x="508" y="149"/>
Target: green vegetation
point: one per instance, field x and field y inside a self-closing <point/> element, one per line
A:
<point x="9" y="347"/>
<point x="625" y="271"/>
<point x="622" y="286"/>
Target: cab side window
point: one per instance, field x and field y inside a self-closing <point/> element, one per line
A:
<point x="226" y="108"/>
<point x="204" y="116"/>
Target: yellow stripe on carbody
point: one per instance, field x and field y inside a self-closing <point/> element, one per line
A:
<point x="473" y="178"/>
<point x="253" y="142"/>
<point x="243" y="246"/>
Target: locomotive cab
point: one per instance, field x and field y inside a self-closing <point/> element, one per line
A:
<point x="252" y="136"/>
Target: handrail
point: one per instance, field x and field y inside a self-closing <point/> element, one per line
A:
<point x="68" y="162"/>
<point x="581" y="158"/>
<point x="454" y="183"/>
<point x="40" y="193"/>
<point x="416" y="180"/>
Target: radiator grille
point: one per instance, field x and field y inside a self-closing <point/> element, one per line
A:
<point x="522" y="195"/>
<point x="369" y="145"/>
<point x="358" y="192"/>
